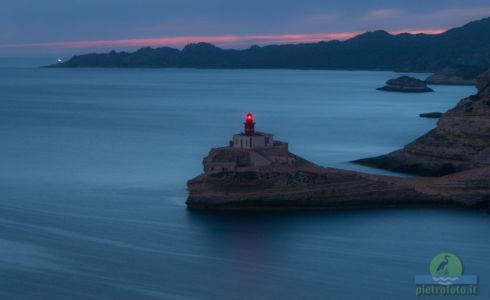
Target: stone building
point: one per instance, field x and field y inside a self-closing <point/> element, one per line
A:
<point x="249" y="138"/>
<point x="248" y="151"/>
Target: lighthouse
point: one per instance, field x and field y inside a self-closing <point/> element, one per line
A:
<point x="251" y="139"/>
<point x="249" y="151"/>
<point x="249" y="124"/>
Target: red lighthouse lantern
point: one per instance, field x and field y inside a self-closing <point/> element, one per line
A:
<point x="249" y="124"/>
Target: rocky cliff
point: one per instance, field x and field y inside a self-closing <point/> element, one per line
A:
<point x="483" y="80"/>
<point x="458" y="146"/>
<point x="312" y="187"/>
<point x="461" y="140"/>
<point x="299" y="184"/>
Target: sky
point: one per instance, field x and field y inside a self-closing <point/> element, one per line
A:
<point x="67" y="27"/>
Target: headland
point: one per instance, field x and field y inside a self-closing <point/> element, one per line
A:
<point x="255" y="172"/>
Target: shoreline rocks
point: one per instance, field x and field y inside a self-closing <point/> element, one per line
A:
<point x="406" y="84"/>
<point x="307" y="186"/>
<point x="272" y="178"/>
<point x="461" y="140"/>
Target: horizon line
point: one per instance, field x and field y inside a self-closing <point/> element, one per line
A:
<point x="218" y="40"/>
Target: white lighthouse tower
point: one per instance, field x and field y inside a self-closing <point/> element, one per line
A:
<point x="249" y="151"/>
<point x="251" y="139"/>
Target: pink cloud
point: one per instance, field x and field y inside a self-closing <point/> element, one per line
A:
<point x="220" y="40"/>
<point x="183" y="40"/>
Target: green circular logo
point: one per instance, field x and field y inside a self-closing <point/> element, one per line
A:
<point x="446" y="264"/>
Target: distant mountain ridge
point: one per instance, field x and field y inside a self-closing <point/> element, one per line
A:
<point x="377" y="50"/>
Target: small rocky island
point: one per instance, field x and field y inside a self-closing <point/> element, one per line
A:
<point x="255" y="172"/>
<point x="406" y="84"/>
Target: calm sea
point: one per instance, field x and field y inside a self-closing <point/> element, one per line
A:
<point x="93" y="166"/>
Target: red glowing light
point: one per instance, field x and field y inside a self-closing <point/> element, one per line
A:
<point x="250" y="118"/>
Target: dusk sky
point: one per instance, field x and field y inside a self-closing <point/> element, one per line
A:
<point x="29" y="27"/>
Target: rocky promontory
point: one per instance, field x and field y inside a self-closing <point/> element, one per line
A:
<point x="256" y="173"/>
<point x="406" y="84"/>
<point x="461" y="140"/>
<point x="456" y="75"/>
<point x="303" y="185"/>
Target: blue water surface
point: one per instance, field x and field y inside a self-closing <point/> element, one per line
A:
<point x="93" y="165"/>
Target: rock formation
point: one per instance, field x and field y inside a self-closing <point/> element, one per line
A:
<point x="268" y="177"/>
<point x="483" y="80"/>
<point x="303" y="185"/>
<point x="406" y="84"/>
<point x="461" y="140"/>
<point x="456" y="75"/>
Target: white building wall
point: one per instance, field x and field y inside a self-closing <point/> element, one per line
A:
<point x="252" y="141"/>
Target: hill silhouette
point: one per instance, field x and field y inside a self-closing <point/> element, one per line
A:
<point x="377" y="50"/>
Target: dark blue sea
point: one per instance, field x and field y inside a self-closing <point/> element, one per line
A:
<point x="93" y="167"/>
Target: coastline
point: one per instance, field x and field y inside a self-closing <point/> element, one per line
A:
<point x="300" y="184"/>
<point x="338" y="189"/>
